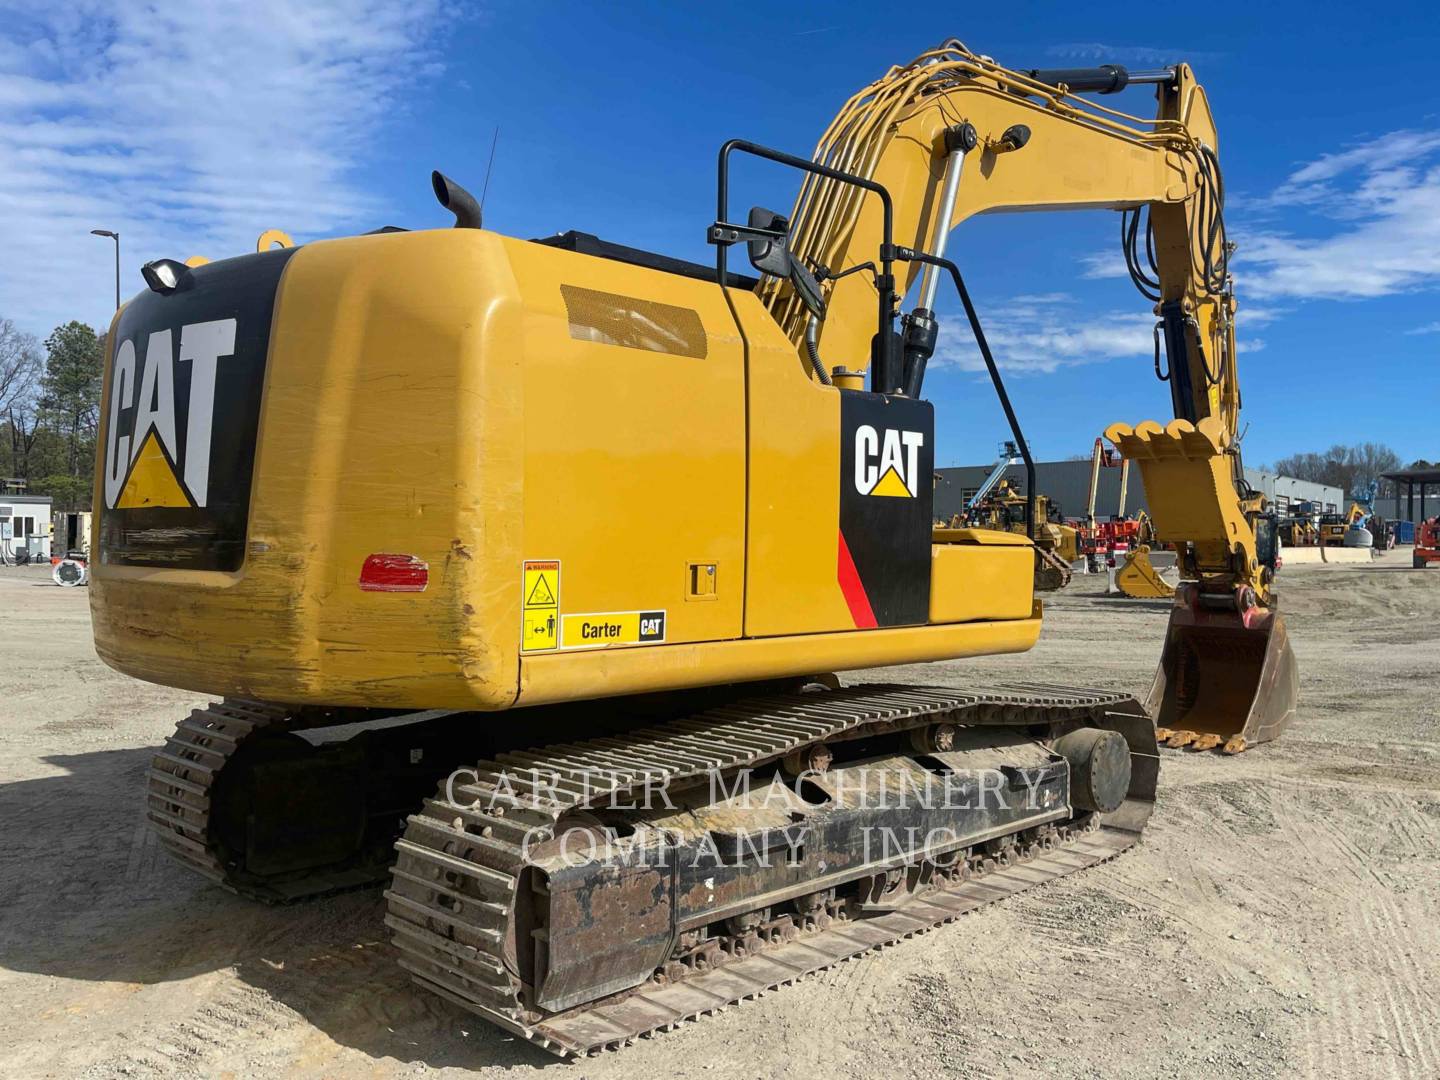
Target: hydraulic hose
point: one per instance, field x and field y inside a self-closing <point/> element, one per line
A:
<point x="812" y="346"/>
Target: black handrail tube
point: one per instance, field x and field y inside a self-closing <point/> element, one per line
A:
<point x="979" y="332"/>
<point x="885" y="281"/>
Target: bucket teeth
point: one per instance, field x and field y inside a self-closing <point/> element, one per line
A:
<point x="1225" y="675"/>
<point x="1179" y="439"/>
<point x="1206" y="742"/>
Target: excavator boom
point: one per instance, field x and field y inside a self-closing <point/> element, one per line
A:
<point x="952" y="135"/>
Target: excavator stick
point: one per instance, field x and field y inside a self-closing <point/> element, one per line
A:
<point x="1224" y="680"/>
<point x="1227" y="677"/>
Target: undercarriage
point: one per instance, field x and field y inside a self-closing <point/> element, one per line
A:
<point x="588" y="893"/>
<point x="585" y="893"/>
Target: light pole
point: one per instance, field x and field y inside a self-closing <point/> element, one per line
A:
<point x="116" y="237"/>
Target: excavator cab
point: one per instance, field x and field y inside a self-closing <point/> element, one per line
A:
<point x="1267" y="540"/>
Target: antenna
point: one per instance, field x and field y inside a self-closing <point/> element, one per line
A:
<point x="489" y="166"/>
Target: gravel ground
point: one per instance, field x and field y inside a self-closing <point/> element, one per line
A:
<point x="1278" y="919"/>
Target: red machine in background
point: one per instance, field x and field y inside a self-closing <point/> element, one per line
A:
<point x="1119" y="537"/>
<point x="1099" y="539"/>
<point x="1121" y="545"/>
<point x="1427" y="543"/>
<point x="1111" y="540"/>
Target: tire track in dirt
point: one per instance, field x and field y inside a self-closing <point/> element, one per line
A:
<point x="1406" y="997"/>
<point x="1366" y="973"/>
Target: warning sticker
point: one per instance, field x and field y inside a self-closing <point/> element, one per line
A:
<point x="540" y="608"/>
<point x="606" y="628"/>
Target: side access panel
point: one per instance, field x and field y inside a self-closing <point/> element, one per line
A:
<point x="839" y="497"/>
<point x="887" y="460"/>
<point x="634" y="453"/>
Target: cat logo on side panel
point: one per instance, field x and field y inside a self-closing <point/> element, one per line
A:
<point x="887" y="461"/>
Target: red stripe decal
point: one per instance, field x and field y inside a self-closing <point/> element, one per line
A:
<point x="854" y="589"/>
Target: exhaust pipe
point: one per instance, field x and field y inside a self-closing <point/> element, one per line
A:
<point x="457" y="200"/>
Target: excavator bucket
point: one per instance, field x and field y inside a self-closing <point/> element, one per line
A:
<point x="1224" y="680"/>
<point x="1139" y="578"/>
<point x="1227" y="677"/>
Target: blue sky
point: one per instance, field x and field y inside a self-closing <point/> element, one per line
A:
<point x="190" y="128"/>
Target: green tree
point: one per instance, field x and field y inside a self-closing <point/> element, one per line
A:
<point x="68" y="492"/>
<point x="70" y="407"/>
<point x="19" y="377"/>
<point x="1350" y="468"/>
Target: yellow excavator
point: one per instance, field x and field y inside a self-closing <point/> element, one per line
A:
<point x="546" y="549"/>
<point x="1057" y="545"/>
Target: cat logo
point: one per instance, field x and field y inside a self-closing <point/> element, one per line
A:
<point x="887" y="461"/>
<point x="146" y="462"/>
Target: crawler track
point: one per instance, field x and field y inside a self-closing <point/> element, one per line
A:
<point x="182" y="787"/>
<point x="182" y="779"/>
<point x="1051" y="572"/>
<point x="456" y="882"/>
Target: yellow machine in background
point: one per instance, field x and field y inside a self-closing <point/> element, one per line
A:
<point x="1332" y="529"/>
<point x="1138" y="577"/>
<point x="1299" y="532"/>
<point x="1057" y="545"/>
<point x="551" y="523"/>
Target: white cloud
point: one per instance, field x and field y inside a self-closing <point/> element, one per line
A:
<point x="1428" y="328"/>
<point x="1101" y="53"/>
<point x="1031" y="300"/>
<point x="1379" y="159"/>
<point x="189" y="128"/>
<point x="1385" y="196"/>
<point x="1105" y="264"/>
<point x="1042" y="333"/>
<point x="1249" y="316"/>
<point x="1361" y="223"/>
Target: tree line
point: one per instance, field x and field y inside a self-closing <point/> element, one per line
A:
<point x="50" y="411"/>
<point x="1350" y="468"/>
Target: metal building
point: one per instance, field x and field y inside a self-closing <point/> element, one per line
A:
<point x="24" y="526"/>
<point x="1417" y="495"/>
<point x="1067" y="483"/>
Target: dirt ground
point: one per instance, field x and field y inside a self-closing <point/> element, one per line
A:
<point x="1279" y="918"/>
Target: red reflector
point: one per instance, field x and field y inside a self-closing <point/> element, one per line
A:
<point x="394" y="573"/>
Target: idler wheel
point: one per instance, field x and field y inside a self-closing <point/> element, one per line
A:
<point x="1099" y="768"/>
